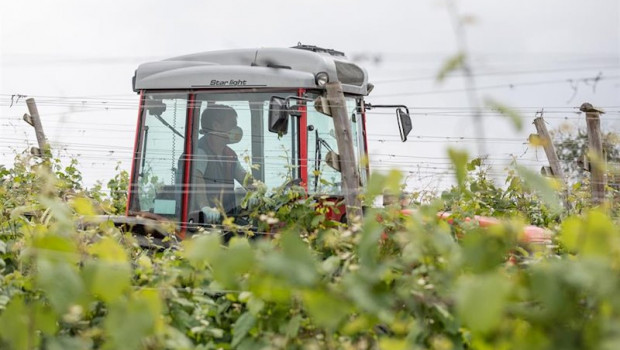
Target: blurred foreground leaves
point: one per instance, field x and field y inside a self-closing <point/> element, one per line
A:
<point x="401" y="280"/>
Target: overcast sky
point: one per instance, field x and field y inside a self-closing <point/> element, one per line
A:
<point x="77" y="59"/>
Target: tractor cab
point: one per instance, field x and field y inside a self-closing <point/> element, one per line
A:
<point x="213" y="124"/>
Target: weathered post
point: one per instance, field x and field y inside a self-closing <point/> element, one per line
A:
<point x="34" y="120"/>
<point x="349" y="172"/>
<point x="547" y="144"/>
<point x="552" y="156"/>
<point x="595" y="149"/>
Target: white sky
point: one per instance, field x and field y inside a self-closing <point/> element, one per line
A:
<point x="77" y="59"/>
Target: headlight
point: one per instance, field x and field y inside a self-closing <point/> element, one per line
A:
<point x="321" y="79"/>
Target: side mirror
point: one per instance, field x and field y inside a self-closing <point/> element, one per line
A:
<point x="278" y="115"/>
<point x="402" y="116"/>
<point x="404" y="123"/>
<point x="322" y="106"/>
<point x="155" y="106"/>
<point x="333" y="160"/>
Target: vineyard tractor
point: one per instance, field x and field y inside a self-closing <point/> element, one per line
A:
<point x="211" y="125"/>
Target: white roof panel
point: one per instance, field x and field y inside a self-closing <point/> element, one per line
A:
<point x="265" y="67"/>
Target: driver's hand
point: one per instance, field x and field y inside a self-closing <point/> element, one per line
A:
<point x="254" y="200"/>
<point x="254" y="185"/>
<point x="211" y="215"/>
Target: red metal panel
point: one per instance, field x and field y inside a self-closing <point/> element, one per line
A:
<point x="189" y="133"/>
<point x="303" y="141"/>
<point x="134" y="159"/>
<point x="336" y="210"/>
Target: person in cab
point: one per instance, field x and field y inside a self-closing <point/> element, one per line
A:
<point x="216" y="166"/>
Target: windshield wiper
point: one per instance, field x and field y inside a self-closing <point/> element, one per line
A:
<point x="163" y="121"/>
<point x="317" y="157"/>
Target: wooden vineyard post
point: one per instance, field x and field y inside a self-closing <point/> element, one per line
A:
<point x="547" y="143"/>
<point x="552" y="156"/>
<point x="595" y="149"/>
<point x="34" y="120"/>
<point x="342" y="126"/>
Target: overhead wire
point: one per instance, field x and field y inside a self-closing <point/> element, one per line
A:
<point x="499" y="73"/>
<point x="90" y="106"/>
<point x="495" y="86"/>
<point x="98" y="104"/>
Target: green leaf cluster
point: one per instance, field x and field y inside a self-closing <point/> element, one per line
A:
<point x="400" y="279"/>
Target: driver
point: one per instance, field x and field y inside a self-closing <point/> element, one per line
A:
<point x="217" y="165"/>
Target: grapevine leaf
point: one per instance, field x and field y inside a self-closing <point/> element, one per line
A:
<point x="452" y="64"/>
<point x="241" y="328"/>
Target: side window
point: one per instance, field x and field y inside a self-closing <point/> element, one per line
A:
<point x="357" y="127"/>
<point x="160" y="170"/>
<point x="323" y="178"/>
<point x="321" y="140"/>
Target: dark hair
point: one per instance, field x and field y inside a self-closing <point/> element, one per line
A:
<point x="215" y="113"/>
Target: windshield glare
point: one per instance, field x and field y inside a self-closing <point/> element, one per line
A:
<point x="231" y="148"/>
<point x="221" y="166"/>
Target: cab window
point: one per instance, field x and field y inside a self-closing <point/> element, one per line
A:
<point x="159" y="169"/>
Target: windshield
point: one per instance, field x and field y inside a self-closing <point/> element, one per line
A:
<point x="230" y="148"/>
<point x="223" y="167"/>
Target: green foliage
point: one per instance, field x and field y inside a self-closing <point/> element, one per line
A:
<point x="118" y="187"/>
<point x="572" y="148"/>
<point x="398" y="280"/>
<point x="525" y="195"/>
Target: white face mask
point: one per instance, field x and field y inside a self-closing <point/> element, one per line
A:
<point x="233" y="135"/>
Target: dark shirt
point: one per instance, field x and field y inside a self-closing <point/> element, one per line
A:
<point x="218" y="173"/>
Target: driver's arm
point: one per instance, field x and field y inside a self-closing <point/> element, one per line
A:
<point x="240" y="175"/>
<point x="201" y="198"/>
<point x="199" y="186"/>
<point x="199" y="189"/>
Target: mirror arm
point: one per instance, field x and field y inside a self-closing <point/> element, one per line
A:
<point x="402" y="122"/>
<point x="293" y="110"/>
<point x="371" y="106"/>
<point x="296" y="98"/>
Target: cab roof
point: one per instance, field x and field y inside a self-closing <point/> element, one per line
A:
<point x="294" y="67"/>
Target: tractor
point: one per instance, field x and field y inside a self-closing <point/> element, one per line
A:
<point x="280" y="134"/>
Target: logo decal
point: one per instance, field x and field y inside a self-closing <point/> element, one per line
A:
<point x="231" y="82"/>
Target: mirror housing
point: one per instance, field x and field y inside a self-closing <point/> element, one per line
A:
<point x="333" y="160"/>
<point x="278" y="115"/>
<point x="322" y="106"/>
<point x="155" y="106"/>
<point x="404" y="123"/>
